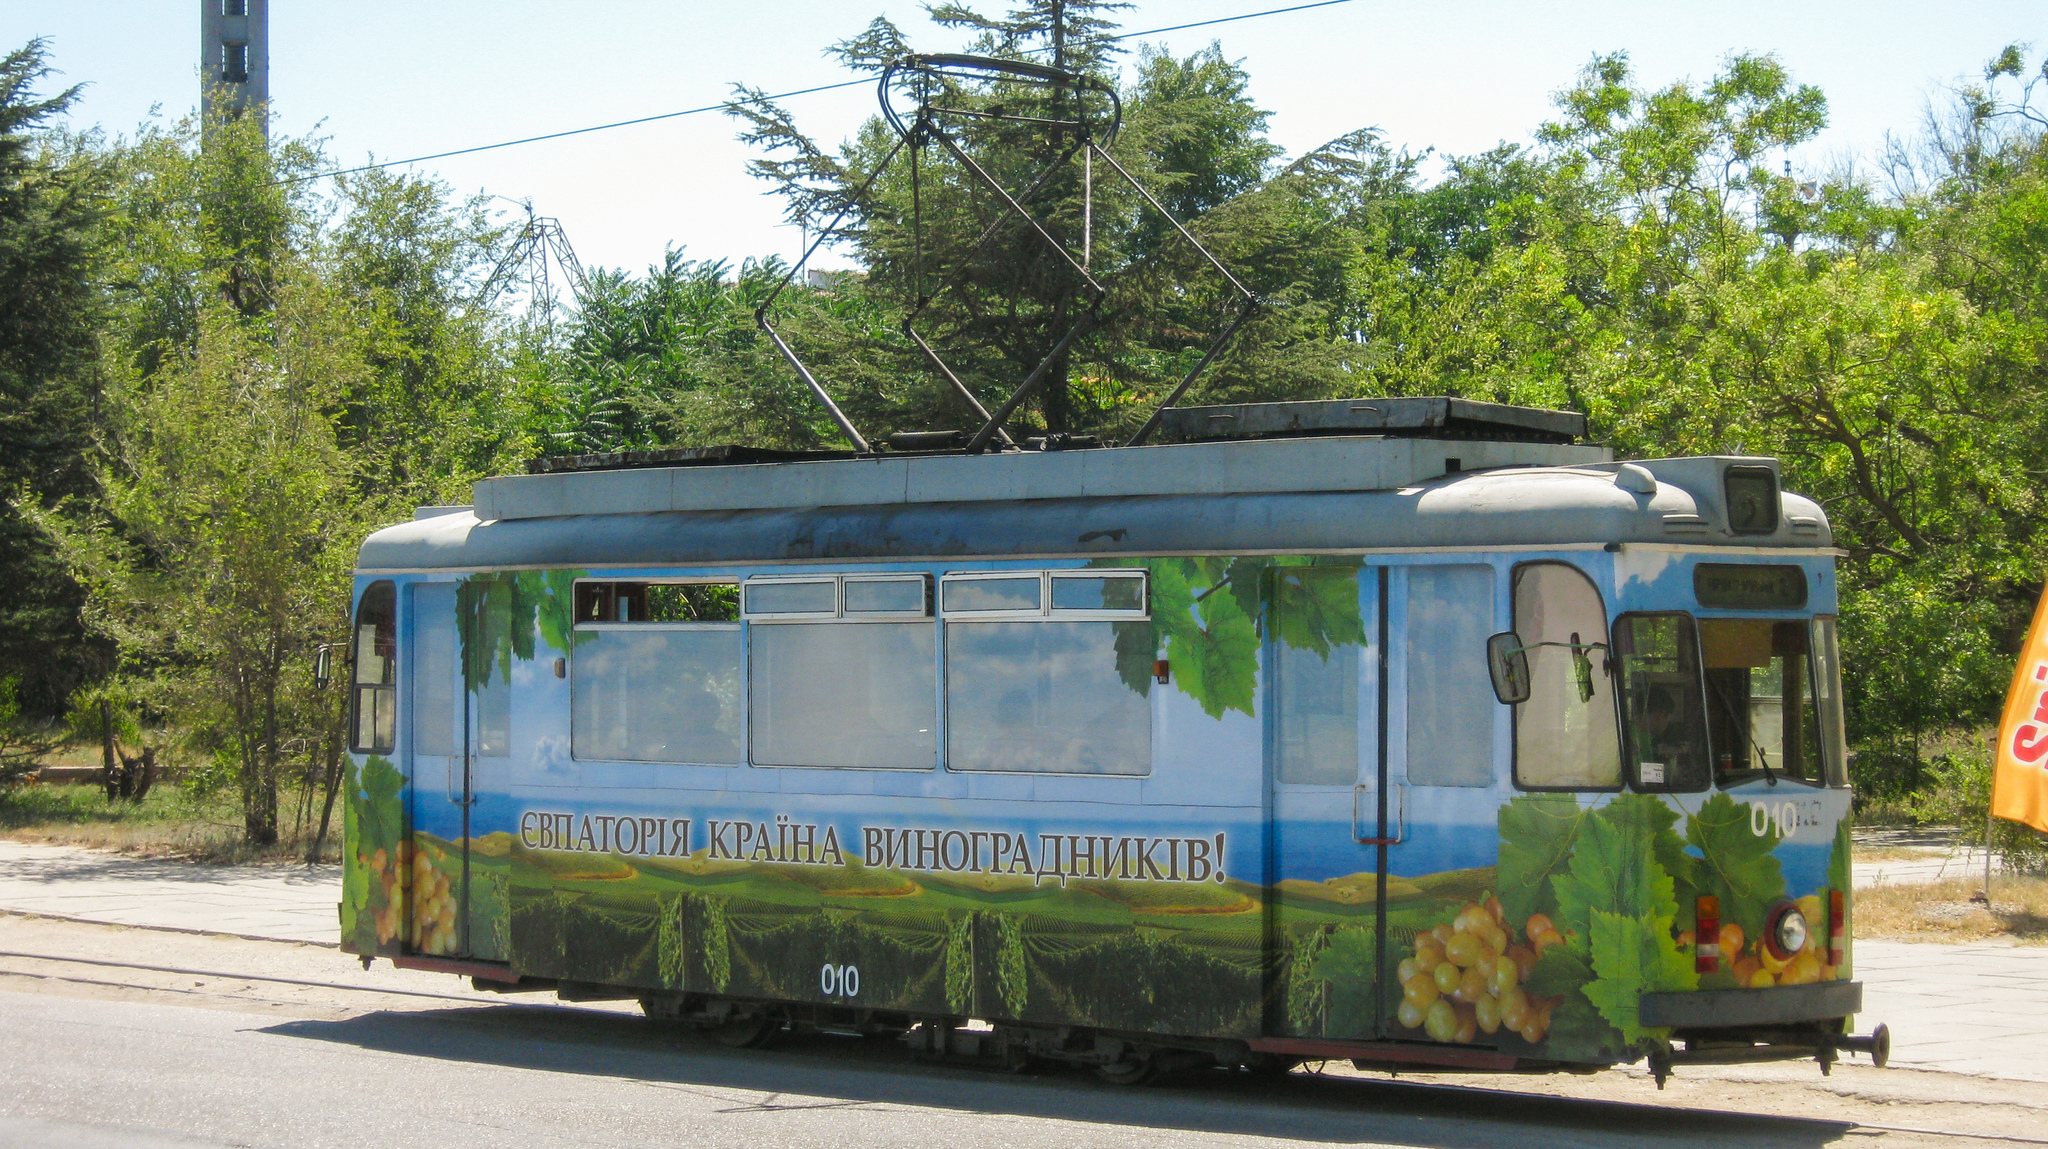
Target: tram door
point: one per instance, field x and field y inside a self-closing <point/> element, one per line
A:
<point x="1328" y="777"/>
<point x="444" y="738"/>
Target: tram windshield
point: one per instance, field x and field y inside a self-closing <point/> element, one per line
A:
<point x="1666" y="713"/>
<point x="1761" y="712"/>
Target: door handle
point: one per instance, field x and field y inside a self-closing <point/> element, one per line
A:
<point x="459" y="790"/>
<point x="1365" y="816"/>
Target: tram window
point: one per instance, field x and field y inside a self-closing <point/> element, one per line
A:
<point x="1046" y="697"/>
<point x="657" y="602"/>
<point x="375" y="682"/>
<point x="856" y="694"/>
<point x="1761" y="717"/>
<point x="658" y="693"/>
<point x="780" y="597"/>
<point x="437" y="705"/>
<point x="865" y="595"/>
<point x="986" y="593"/>
<point x="486" y="602"/>
<point x="1666" y="714"/>
<point x="1565" y="733"/>
<point x="1450" y="699"/>
<point x="1827" y="683"/>
<point x="1315" y="697"/>
<point x="1099" y="593"/>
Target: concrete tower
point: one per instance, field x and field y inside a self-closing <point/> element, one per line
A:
<point x="234" y="53"/>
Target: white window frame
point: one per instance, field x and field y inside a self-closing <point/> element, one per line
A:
<point x="1045" y="611"/>
<point x="839" y="613"/>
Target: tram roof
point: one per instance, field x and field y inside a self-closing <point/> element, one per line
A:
<point x="1305" y="495"/>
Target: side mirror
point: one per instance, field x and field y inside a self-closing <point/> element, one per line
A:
<point x="323" y="666"/>
<point x="1508" y="662"/>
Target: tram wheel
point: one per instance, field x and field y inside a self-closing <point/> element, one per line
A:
<point x="750" y="1031"/>
<point x="1136" y="1071"/>
<point x="1270" y="1066"/>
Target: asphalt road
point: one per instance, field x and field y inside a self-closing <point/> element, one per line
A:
<point x="126" y="1038"/>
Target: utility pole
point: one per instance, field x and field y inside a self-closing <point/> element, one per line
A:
<point x="234" y="56"/>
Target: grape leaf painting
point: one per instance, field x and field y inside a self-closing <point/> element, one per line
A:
<point x="1737" y="864"/>
<point x="1633" y="955"/>
<point x="1537" y="833"/>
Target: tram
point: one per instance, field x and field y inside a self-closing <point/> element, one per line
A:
<point x="1414" y="732"/>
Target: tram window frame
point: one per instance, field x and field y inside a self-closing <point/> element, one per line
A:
<point x="1632" y="757"/>
<point x="1044" y="612"/>
<point x="1603" y="673"/>
<point x="578" y="747"/>
<point x="1047" y="591"/>
<point x="382" y="692"/>
<point x="840" y="612"/>
<point x="786" y="624"/>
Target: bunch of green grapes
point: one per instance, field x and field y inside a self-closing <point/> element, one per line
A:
<point x="387" y="876"/>
<point x="433" y="906"/>
<point x="1466" y="977"/>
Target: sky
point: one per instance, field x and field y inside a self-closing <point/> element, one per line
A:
<point x="386" y="79"/>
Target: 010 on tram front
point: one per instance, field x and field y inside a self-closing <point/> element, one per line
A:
<point x="1413" y="732"/>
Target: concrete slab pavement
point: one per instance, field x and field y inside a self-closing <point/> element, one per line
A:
<point x="284" y="903"/>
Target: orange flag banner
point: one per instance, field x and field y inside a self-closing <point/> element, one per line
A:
<point x="2019" y="777"/>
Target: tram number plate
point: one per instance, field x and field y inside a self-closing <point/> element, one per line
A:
<point x="839" y="980"/>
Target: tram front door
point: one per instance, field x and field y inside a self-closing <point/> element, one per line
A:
<point x="449" y="729"/>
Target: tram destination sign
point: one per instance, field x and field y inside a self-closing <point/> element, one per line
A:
<point x="1749" y="586"/>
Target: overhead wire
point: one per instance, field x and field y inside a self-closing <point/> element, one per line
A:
<point x="722" y="105"/>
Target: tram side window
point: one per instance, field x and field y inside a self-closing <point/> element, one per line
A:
<point x="844" y="678"/>
<point x="1827" y="684"/>
<point x="374" y="726"/>
<point x="1666" y="714"/>
<point x="1450" y="701"/>
<point x="1035" y="686"/>
<point x="657" y="602"/>
<point x="1761" y="714"/>
<point x="658" y="689"/>
<point x="1315" y="696"/>
<point x="1565" y="733"/>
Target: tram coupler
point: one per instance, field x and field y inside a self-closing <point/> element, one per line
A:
<point x="1876" y="1045"/>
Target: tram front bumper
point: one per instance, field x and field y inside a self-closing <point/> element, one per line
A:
<point x="1775" y="1005"/>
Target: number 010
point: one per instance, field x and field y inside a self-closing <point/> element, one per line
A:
<point x="839" y="980"/>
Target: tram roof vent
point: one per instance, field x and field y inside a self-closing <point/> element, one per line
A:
<point x="1422" y="417"/>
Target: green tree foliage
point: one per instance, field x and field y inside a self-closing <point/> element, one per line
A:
<point x="53" y="194"/>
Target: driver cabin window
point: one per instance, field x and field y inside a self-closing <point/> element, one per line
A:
<point x="1760" y="706"/>
<point x="1666" y="714"/>
<point x="374" y="725"/>
<point x="1565" y="733"/>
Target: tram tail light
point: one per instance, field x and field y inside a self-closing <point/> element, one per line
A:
<point x="1707" y="934"/>
<point x="1838" y="926"/>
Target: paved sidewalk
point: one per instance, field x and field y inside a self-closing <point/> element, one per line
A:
<point x="288" y="903"/>
<point x="1976" y="1009"/>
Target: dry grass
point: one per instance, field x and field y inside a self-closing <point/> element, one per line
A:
<point x="1943" y="912"/>
<point x="1893" y="854"/>
<point x="170" y="823"/>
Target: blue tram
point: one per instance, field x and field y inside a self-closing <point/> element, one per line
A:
<point x="1413" y="732"/>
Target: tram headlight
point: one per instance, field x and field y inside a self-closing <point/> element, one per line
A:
<point x="1787" y="931"/>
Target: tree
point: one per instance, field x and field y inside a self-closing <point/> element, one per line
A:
<point x="1190" y="132"/>
<point x="53" y="193"/>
